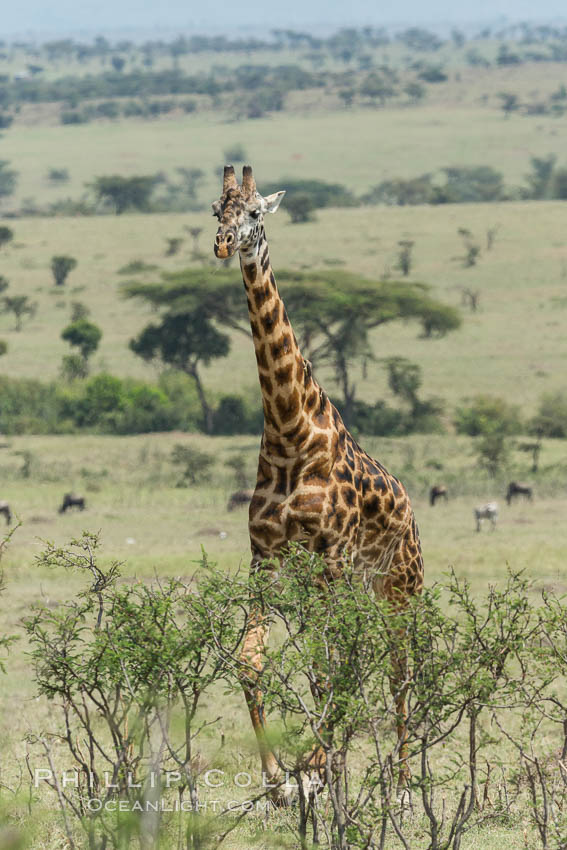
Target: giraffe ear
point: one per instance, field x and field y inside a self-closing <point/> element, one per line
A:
<point x="272" y="202"/>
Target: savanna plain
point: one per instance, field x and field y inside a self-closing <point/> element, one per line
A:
<point x="155" y="521"/>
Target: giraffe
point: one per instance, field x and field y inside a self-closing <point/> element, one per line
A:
<point x="315" y="485"/>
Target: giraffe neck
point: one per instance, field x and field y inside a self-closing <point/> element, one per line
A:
<point x="291" y="398"/>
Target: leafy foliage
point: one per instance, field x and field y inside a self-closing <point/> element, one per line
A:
<point x="322" y="194"/>
<point x="334" y="313"/>
<point x="484" y="413"/>
<point x="83" y="335"/>
<point x="6" y="235"/>
<point x="20" y="306"/>
<point x="8" y="179"/>
<point x="194" y="306"/>
<point x="61" y="266"/>
<point x="125" y="193"/>
<point x="551" y="418"/>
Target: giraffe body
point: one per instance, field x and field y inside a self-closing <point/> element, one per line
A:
<point x="315" y="485"/>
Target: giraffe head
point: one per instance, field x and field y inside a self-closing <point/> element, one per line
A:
<point x="240" y="211"/>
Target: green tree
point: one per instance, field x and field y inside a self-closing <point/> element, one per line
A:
<point x="415" y="92"/>
<point x="85" y="336"/>
<point x="404" y="380"/>
<point x="3" y="347"/>
<point x="6" y="235"/>
<point x="559" y="184"/>
<point x="125" y="193"/>
<point x="300" y="208"/>
<point x="196" y="465"/>
<point x="335" y="312"/>
<point x="20" y="306"/>
<point x="405" y="259"/>
<point x="194" y="306"/>
<point x="551" y="418"/>
<point x="8" y="179"/>
<point x="541" y="176"/>
<point x="492" y="450"/>
<point x="484" y="413"/>
<point x="61" y="267"/>
<point x="509" y="103"/>
<point x="377" y="88"/>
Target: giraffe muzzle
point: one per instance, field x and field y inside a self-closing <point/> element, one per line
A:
<point x="225" y="245"/>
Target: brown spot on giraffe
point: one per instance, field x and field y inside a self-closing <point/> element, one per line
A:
<point x="314" y="484"/>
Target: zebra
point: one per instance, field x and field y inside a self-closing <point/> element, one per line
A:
<point x="488" y="511"/>
<point x="516" y="488"/>
<point x="438" y="491"/>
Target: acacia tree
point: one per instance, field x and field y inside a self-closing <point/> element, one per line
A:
<point x="20" y="306"/>
<point x="8" y="179"/>
<point x="125" y="192"/>
<point x="335" y="312"/>
<point x="6" y="235"/>
<point x="61" y="267"/>
<point x="85" y="336"/>
<point x="194" y="306"/>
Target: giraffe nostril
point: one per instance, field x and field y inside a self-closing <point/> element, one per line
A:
<point x="229" y="238"/>
<point x="217" y="239"/>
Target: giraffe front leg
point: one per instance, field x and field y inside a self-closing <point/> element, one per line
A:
<point x="398" y="687"/>
<point x="251" y="660"/>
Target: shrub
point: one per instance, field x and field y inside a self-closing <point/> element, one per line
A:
<point x="484" y="414"/>
<point x="6" y="235"/>
<point x="300" y="208"/>
<point x="107" y="109"/>
<point x="73" y="116"/>
<point x="400" y="192"/>
<point x="195" y="464"/>
<point x="551" y="418"/>
<point x="378" y="420"/>
<point x="73" y="367"/>
<point x="235" y="153"/>
<point x="61" y="267"/>
<point x="468" y="184"/>
<point x="433" y="74"/>
<point x="83" y="335"/>
<point x="27" y="406"/>
<point x="559" y="185"/>
<point x="58" y="175"/>
<point x="321" y="193"/>
<point x="234" y="416"/>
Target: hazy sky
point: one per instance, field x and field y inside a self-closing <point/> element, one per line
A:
<point x="37" y="17"/>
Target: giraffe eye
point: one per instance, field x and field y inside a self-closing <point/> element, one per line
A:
<point x="255" y="213"/>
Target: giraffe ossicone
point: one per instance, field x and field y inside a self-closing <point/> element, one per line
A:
<point x="315" y="485"/>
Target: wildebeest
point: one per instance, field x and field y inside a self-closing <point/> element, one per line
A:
<point x="5" y="509"/>
<point x="438" y="491"/>
<point x="70" y="500"/>
<point x="239" y="499"/>
<point x="488" y="511"/>
<point x="517" y="488"/>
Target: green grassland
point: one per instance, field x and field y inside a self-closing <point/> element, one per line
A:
<point x="314" y="138"/>
<point x="157" y="529"/>
<point x="514" y="346"/>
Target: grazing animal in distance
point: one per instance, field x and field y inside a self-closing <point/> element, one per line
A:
<point x="438" y="491"/>
<point x="488" y="511"/>
<point x="315" y="485"/>
<point x="5" y="509"/>
<point x="239" y="499"/>
<point x="516" y="488"/>
<point x="70" y="500"/>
